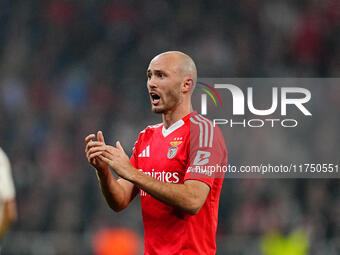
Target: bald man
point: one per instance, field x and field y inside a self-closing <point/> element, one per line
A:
<point x="179" y="202"/>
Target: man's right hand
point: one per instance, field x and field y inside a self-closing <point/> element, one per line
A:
<point x="117" y="192"/>
<point x="93" y="158"/>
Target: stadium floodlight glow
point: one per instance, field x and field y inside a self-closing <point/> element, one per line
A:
<point x="239" y="100"/>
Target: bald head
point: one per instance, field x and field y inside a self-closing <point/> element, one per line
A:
<point x="182" y="62"/>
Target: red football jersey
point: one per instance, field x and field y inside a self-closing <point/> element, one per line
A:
<point x="172" y="155"/>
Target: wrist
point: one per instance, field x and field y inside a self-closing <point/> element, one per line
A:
<point x="133" y="174"/>
<point x="103" y="172"/>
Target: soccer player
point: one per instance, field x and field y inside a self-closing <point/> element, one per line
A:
<point x="179" y="199"/>
<point x="8" y="213"/>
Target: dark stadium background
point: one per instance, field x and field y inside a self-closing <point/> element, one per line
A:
<point x="71" y="67"/>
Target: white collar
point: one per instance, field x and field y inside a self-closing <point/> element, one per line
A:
<point x="172" y="128"/>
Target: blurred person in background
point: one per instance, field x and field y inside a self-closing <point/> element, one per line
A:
<point x="8" y="213"/>
<point x="179" y="204"/>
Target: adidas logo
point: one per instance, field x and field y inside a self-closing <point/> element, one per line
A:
<point x="145" y="152"/>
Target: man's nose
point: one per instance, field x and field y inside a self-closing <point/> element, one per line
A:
<point x="151" y="84"/>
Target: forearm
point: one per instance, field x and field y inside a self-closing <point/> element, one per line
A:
<point x="188" y="197"/>
<point x="180" y="196"/>
<point x="112" y="191"/>
<point x="8" y="217"/>
<point x="4" y="225"/>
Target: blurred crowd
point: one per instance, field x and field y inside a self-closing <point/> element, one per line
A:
<point x="71" y="67"/>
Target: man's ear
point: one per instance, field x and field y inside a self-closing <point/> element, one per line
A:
<point x="187" y="85"/>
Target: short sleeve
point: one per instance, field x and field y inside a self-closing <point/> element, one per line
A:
<point x="7" y="190"/>
<point x="134" y="157"/>
<point x="207" y="150"/>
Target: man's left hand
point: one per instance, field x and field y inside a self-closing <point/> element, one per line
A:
<point x="116" y="158"/>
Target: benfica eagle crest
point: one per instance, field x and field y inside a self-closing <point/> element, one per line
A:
<point x="173" y="149"/>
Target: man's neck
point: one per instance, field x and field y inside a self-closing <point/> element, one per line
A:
<point x="171" y="117"/>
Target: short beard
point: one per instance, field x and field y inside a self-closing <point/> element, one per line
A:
<point x="173" y="98"/>
<point x="155" y="110"/>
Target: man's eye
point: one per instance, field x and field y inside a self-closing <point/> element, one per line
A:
<point x="149" y="76"/>
<point x="161" y="75"/>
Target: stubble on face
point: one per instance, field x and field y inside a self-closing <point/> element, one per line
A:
<point x="170" y="99"/>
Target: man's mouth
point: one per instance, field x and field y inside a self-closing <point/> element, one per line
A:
<point x="155" y="98"/>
